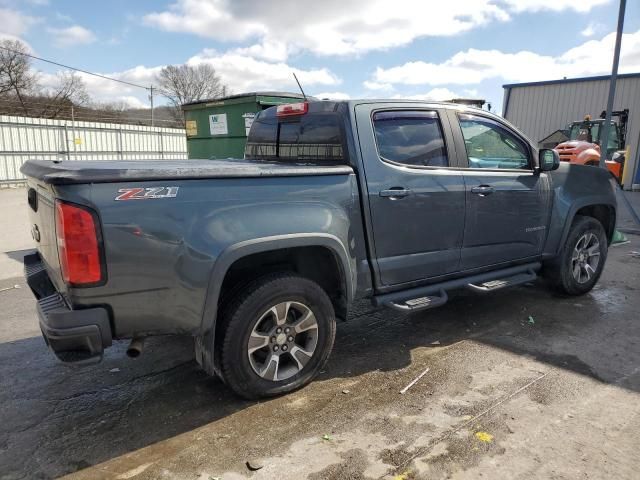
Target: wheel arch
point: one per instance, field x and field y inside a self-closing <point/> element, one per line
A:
<point x="278" y="245"/>
<point x="604" y="212"/>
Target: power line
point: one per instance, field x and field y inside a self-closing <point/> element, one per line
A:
<point x="74" y="68"/>
<point x="95" y="118"/>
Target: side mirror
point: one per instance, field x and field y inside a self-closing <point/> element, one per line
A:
<point x="548" y="160"/>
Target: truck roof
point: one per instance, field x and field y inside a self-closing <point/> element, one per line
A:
<point x="358" y="101"/>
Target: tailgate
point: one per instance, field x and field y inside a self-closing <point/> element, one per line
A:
<point x="41" y="201"/>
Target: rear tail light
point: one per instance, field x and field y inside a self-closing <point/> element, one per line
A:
<point x="291" y="109"/>
<point x="79" y="246"/>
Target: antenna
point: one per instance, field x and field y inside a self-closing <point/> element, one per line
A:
<point x="299" y="86"/>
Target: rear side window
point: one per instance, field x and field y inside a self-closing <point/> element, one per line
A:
<point x="311" y="138"/>
<point x="490" y="145"/>
<point x="410" y="137"/>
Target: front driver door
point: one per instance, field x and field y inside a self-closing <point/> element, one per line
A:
<point x="415" y="197"/>
<point x="506" y="199"/>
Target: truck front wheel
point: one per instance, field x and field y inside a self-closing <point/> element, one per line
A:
<point x="578" y="266"/>
<point x="277" y="334"/>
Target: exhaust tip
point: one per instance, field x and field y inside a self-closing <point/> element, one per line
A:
<point x="134" y="350"/>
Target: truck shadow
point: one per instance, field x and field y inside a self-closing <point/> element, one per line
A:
<point x="72" y="418"/>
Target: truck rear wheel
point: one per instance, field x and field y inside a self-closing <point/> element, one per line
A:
<point x="579" y="265"/>
<point x="277" y="334"/>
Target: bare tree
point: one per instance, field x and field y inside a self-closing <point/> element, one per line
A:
<point x="182" y="84"/>
<point x="16" y="77"/>
<point x="69" y="92"/>
<point x="22" y="93"/>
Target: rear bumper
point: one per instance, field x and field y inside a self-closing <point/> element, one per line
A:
<point x="73" y="335"/>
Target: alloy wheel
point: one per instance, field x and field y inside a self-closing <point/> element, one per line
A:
<point x="585" y="258"/>
<point x="283" y="341"/>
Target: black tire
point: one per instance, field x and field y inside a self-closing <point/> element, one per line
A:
<point x="249" y="307"/>
<point x="560" y="271"/>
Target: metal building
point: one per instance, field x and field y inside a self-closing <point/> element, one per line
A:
<point x="541" y="108"/>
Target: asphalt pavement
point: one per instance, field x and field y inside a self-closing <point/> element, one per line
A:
<point x="519" y="384"/>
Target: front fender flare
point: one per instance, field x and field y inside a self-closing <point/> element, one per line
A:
<point x="591" y="201"/>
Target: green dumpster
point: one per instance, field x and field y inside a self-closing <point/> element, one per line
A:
<point x="218" y="128"/>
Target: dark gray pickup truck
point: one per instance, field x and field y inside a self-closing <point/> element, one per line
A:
<point x="396" y="201"/>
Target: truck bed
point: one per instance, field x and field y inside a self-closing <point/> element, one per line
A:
<point x="108" y="171"/>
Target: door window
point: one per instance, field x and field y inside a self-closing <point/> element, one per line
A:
<point x="410" y="137"/>
<point x="490" y="145"/>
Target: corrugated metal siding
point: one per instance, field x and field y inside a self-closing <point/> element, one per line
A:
<point x="539" y="110"/>
<point x="23" y="138"/>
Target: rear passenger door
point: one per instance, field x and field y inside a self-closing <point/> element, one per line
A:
<point x="415" y="194"/>
<point x="506" y="199"/>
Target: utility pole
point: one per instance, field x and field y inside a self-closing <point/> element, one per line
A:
<point x="604" y="142"/>
<point x="604" y="139"/>
<point x="151" y="98"/>
<point x="73" y="127"/>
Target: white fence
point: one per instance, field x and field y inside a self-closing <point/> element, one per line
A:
<point x="24" y="138"/>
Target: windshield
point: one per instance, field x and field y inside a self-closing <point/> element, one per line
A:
<point x="585" y="132"/>
<point x="590" y="132"/>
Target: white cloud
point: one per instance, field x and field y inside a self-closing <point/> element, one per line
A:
<point x="369" y="85"/>
<point x="473" y="66"/>
<point x="63" y="18"/>
<point x="269" y="50"/>
<point x="591" y="29"/>
<point x="71" y="36"/>
<point x="132" y="102"/>
<point x="581" y="6"/>
<point x="435" y="94"/>
<point x="106" y="91"/>
<point x="340" y="27"/>
<point x="14" y="23"/>
<point x="332" y="95"/>
<point x="243" y="73"/>
<point x="239" y="72"/>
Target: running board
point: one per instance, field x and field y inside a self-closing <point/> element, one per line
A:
<point x="420" y="303"/>
<point x="435" y="295"/>
<point x="512" y="281"/>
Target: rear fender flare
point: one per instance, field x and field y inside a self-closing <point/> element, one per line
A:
<point x="239" y="250"/>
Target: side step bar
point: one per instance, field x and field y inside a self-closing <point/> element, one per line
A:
<point x="420" y="303"/>
<point x="492" y="285"/>
<point x="431" y="296"/>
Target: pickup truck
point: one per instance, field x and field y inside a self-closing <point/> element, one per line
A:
<point x="400" y="202"/>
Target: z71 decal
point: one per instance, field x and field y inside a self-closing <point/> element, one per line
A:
<point x="139" y="193"/>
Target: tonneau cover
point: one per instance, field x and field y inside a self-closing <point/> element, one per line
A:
<point x="105" y="171"/>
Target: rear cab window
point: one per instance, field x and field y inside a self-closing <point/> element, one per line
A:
<point x="315" y="137"/>
<point x="410" y="137"/>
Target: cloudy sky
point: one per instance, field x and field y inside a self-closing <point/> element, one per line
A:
<point x="339" y="48"/>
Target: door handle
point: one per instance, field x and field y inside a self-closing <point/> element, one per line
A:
<point x="395" y="192"/>
<point x="483" y="190"/>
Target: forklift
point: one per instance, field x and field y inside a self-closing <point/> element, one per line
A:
<point x="584" y="142"/>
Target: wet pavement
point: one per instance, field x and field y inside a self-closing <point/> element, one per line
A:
<point x="521" y="384"/>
